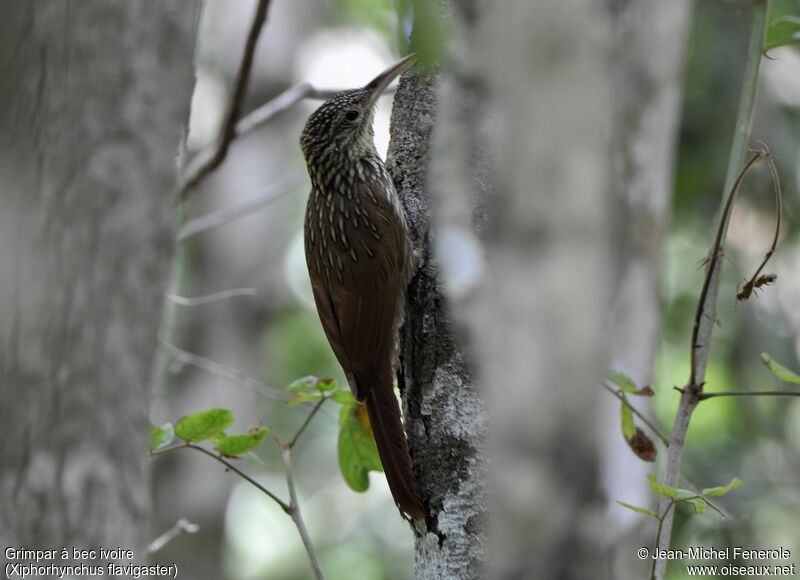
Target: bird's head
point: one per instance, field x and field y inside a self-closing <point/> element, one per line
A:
<point x="343" y="124"/>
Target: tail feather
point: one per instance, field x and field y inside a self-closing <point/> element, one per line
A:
<point x="390" y="437"/>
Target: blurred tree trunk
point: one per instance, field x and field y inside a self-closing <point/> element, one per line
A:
<point x="94" y="103"/>
<point x="650" y="45"/>
<point x="527" y="130"/>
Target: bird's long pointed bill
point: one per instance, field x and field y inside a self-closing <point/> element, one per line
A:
<point x="383" y="80"/>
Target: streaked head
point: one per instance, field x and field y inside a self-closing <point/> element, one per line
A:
<point x="346" y="119"/>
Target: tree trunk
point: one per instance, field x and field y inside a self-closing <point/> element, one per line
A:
<point x="523" y="235"/>
<point x="650" y="39"/>
<point x="93" y="105"/>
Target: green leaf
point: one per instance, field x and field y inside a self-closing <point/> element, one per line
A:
<point x="660" y="488"/>
<point x="204" y="425"/>
<point x="697" y="503"/>
<point x="326" y="384"/>
<point x="628" y="426"/>
<point x="298" y="398"/>
<point x="161" y="436"/>
<point x="344" y="398"/>
<point x="312" y="384"/>
<point x="622" y="380"/>
<point x="717" y="491"/>
<point x="358" y="453"/>
<point x="638" y="509"/>
<point x="782" y="32"/>
<point x="235" y="445"/>
<point x="303" y="385"/>
<point x="779" y="370"/>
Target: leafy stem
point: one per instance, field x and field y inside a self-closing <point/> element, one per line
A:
<point x="209" y="425"/>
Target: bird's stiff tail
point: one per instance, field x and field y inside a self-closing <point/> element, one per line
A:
<point x="390" y="437"/>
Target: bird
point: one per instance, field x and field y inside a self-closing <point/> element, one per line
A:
<point x="359" y="259"/>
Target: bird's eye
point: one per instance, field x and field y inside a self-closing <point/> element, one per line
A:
<point x="351" y="115"/>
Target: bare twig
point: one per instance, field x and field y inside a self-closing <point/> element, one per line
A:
<point x="294" y="511"/>
<point x="706" y="309"/>
<point x="244" y="208"/>
<point x="283" y="102"/>
<point x="704" y="396"/>
<point x="705" y="315"/>
<point x="756" y="281"/>
<point x="195" y="172"/>
<point x="208" y="298"/>
<point x="635" y="411"/>
<point x="263" y="114"/>
<point x="228" y="465"/>
<point x="182" y="526"/>
<point x="310" y="416"/>
<point x="229" y="373"/>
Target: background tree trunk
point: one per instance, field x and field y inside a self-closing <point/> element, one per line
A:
<point x="520" y="174"/>
<point x="650" y="45"/>
<point x="94" y="102"/>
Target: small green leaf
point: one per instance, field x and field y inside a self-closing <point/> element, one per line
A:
<point x="622" y="380"/>
<point x="638" y="509"/>
<point x="779" y="370"/>
<point x="344" y="398"/>
<point x="204" y="425"/>
<point x="235" y="445"/>
<point x="358" y="453"/>
<point x="303" y="385"/>
<point x="628" y="426"/>
<point x="697" y="503"/>
<point x="298" y="398"/>
<point x="161" y="436"/>
<point x="326" y="384"/>
<point x="660" y="488"/>
<point x="717" y="491"/>
<point x="782" y="32"/>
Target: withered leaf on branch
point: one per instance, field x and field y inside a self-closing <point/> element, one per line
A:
<point x="643" y="446"/>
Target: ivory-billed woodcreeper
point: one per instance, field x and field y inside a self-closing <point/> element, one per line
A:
<point x="358" y="255"/>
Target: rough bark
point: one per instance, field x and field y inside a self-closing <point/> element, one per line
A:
<point x="650" y="39"/>
<point x="93" y="104"/>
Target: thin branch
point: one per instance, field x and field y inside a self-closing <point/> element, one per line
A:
<point x="310" y="416"/>
<point x="182" y="526"/>
<point x="195" y="172"/>
<point x="263" y="114"/>
<point x="229" y="373"/>
<point x="284" y="506"/>
<point x="242" y="209"/>
<point x="283" y="102"/>
<point x="755" y="281"/>
<point x="294" y="511"/>
<point x="706" y="311"/>
<point x="208" y="298"/>
<point x="635" y="411"/>
<point x="704" y="396"/>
